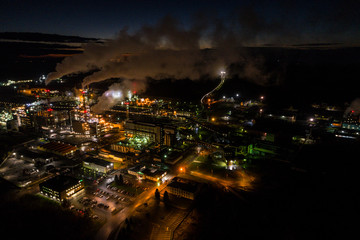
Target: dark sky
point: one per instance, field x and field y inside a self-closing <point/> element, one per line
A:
<point x="261" y="21"/>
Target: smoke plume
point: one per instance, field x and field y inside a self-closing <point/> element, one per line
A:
<point x="354" y="106"/>
<point x="166" y="50"/>
<point x="116" y="93"/>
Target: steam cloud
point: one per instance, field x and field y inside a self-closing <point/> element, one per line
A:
<point x="116" y="93"/>
<point x="209" y="45"/>
<point x="171" y="50"/>
<point x="166" y="50"/>
<point x="354" y="106"/>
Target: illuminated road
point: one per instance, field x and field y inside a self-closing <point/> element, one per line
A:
<point x="226" y="183"/>
<point x="222" y="74"/>
<point x="244" y="182"/>
<point x="114" y="222"/>
<point x="223" y="182"/>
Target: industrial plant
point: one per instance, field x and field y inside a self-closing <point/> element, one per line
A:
<point x="178" y="120"/>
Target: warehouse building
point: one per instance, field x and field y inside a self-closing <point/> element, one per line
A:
<point x="58" y="148"/>
<point x="61" y="187"/>
<point x="98" y="166"/>
<point x="183" y="187"/>
<point x="143" y="129"/>
<point x="145" y="172"/>
<point x="160" y="133"/>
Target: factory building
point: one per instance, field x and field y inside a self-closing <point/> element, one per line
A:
<point x="154" y="174"/>
<point x="143" y="129"/>
<point x="151" y="173"/>
<point x="61" y="187"/>
<point x="98" y="166"/>
<point x="169" y="136"/>
<point x="110" y="155"/>
<point x="137" y="171"/>
<point x="125" y="148"/>
<point x="183" y="187"/>
<point x="80" y="127"/>
<point x="58" y="148"/>
<point x="158" y="133"/>
<point x="351" y="122"/>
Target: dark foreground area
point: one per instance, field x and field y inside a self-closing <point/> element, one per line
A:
<point x="318" y="203"/>
<point x="32" y="216"/>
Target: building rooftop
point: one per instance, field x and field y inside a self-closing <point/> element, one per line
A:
<point x="137" y="168"/>
<point x="152" y="172"/>
<point x="58" y="147"/>
<point x="97" y="161"/>
<point x="140" y="123"/>
<point x="150" y="121"/>
<point x="60" y="183"/>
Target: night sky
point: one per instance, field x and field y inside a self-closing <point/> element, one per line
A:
<point x="264" y="22"/>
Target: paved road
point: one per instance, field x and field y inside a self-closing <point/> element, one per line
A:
<point x="111" y="228"/>
<point x="227" y="184"/>
<point x="114" y="222"/>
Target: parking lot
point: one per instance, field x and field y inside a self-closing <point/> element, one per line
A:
<point x="102" y="199"/>
<point x="23" y="171"/>
<point x="101" y="202"/>
<point x="20" y="171"/>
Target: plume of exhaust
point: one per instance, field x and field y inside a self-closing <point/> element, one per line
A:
<point x="354" y="107"/>
<point x="170" y="49"/>
<point x="116" y="93"/>
<point x="166" y="50"/>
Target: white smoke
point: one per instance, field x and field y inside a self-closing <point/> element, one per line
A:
<point x="166" y="50"/>
<point x="116" y="93"/>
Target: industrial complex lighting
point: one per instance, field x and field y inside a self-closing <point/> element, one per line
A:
<point x="116" y="94"/>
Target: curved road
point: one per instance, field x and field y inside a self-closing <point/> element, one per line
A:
<point x="222" y="74"/>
